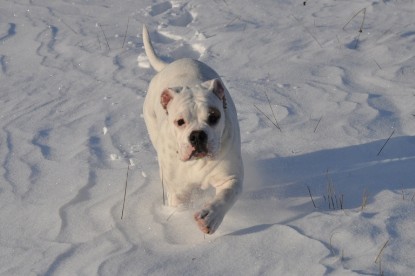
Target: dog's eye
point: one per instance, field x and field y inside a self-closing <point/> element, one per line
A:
<point x="213" y="117"/>
<point x="180" y="122"/>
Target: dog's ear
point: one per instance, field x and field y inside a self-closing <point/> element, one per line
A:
<point x="167" y="95"/>
<point x="217" y="88"/>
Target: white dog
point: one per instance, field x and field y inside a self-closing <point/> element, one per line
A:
<point x="192" y="123"/>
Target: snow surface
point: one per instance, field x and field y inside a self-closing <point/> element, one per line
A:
<point x="72" y="90"/>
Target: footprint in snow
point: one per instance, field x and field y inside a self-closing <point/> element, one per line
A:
<point x="171" y="13"/>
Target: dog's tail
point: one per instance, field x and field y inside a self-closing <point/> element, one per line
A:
<point x="155" y="61"/>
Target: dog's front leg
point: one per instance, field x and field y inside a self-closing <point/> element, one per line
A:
<point x="210" y="217"/>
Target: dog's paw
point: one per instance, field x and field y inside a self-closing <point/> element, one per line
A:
<point x="208" y="220"/>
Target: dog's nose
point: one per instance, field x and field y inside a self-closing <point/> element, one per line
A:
<point x="198" y="138"/>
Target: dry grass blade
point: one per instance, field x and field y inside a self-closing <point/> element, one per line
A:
<point x="126" y="30"/>
<point x="361" y="25"/>
<point x="377" y="64"/>
<point x="272" y="111"/>
<point x="357" y="40"/>
<point x="308" y="31"/>
<point x="378" y="257"/>
<point x="335" y="202"/>
<point x="267" y="117"/>
<point x="224" y="1"/>
<point x="99" y="42"/>
<point x="331" y="246"/>
<point x="105" y="36"/>
<point x="233" y="20"/>
<point x="167" y="219"/>
<point x="125" y="192"/>
<point x="69" y="27"/>
<point x="331" y="194"/>
<point x="312" y="200"/>
<point x="162" y="188"/>
<point x="332" y="249"/>
<point x="363" y="21"/>
<point x="362" y="10"/>
<point x="385" y="143"/>
<point x="318" y="124"/>
<point x="364" y="199"/>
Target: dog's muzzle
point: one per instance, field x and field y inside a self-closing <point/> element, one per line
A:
<point x="198" y="139"/>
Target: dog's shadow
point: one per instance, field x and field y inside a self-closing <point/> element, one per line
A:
<point x="350" y="171"/>
<point x="252" y="229"/>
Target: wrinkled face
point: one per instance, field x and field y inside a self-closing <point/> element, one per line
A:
<point x="196" y="118"/>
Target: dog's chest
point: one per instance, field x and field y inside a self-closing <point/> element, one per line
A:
<point x="193" y="173"/>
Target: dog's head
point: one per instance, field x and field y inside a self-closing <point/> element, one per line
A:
<point x="196" y="117"/>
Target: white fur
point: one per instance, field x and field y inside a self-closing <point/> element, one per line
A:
<point x="189" y="90"/>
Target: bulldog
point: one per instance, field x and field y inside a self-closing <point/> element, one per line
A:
<point x="193" y="126"/>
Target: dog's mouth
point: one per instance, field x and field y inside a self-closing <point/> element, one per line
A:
<point x="197" y="154"/>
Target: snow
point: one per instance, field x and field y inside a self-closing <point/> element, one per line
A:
<point x="73" y="79"/>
